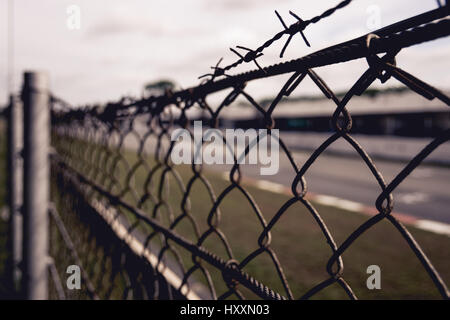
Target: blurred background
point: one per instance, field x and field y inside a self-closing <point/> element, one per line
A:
<point x="100" y="51"/>
<point x="119" y="46"/>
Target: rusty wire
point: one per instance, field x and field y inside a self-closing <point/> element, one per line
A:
<point x="291" y="30"/>
<point x="90" y="157"/>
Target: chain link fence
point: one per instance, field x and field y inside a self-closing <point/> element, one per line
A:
<point x="124" y="213"/>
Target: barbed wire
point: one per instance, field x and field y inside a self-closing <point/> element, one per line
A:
<point x="293" y="29"/>
<point x="130" y="185"/>
<point x="403" y="34"/>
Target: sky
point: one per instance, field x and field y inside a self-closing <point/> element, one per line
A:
<point x="121" y="45"/>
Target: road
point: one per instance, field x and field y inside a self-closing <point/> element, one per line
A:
<point x="424" y="194"/>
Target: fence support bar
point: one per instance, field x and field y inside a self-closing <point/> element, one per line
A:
<point x="36" y="185"/>
<point x="15" y="169"/>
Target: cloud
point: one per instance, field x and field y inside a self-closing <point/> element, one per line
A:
<point x="124" y="44"/>
<point x="237" y="4"/>
<point x="117" y="26"/>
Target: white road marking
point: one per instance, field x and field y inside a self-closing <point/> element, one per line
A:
<point x="348" y="205"/>
<point x="412" y="198"/>
<point x="270" y="186"/>
<point x="339" y="203"/>
<point x="434" y="226"/>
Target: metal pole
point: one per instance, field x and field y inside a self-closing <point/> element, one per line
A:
<point x="36" y="185"/>
<point x="15" y="169"/>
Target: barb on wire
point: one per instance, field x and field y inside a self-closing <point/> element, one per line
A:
<point x="217" y="72"/>
<point x="249" y="56"/>
<point x="295" y="28"/>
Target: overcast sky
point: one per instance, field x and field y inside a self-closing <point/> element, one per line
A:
<point x="123" y="44"/>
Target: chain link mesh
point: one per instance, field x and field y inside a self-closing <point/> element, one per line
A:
<point x="111" y="170"/>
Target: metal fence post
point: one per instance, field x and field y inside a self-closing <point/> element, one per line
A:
<point x="15" y="169"/>
<point x="36" y="185"/>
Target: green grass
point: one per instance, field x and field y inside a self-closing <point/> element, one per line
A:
<point x="296" y="238"/>
<point x="302" y="248"/>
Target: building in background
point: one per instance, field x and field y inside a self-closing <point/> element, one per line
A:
<point x="394" y="112"/>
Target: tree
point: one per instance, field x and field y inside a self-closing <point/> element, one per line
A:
<point x="158" y="87"/>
